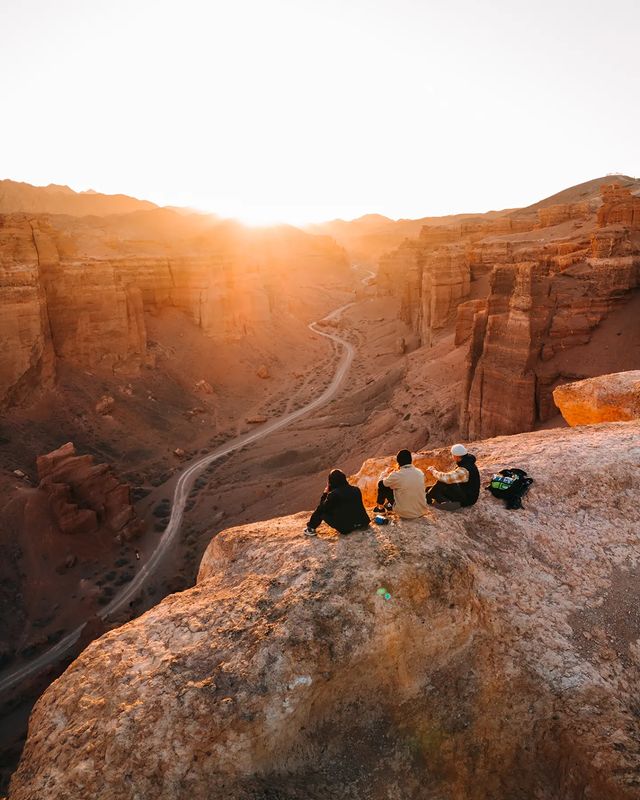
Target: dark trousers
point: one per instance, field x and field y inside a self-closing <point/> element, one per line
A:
<point x="444" y="493"/>
<point x="385" y="494"/>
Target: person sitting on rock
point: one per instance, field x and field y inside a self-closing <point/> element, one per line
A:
<point x="461" y="485"/>
<point x="340" y="506"/>
<point x="403" y="489"/>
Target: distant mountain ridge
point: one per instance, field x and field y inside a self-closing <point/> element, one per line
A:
<point x="57" y="199"/>
<point x="368" y="237"/>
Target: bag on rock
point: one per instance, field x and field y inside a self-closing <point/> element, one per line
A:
<point x="510" y="485"/>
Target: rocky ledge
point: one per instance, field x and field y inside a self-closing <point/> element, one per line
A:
<point x="480" y="654"/>
<point x="607" y="398"/>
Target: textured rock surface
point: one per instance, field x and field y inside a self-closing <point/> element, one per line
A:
<point x="26" y="355"/>
<point x="607" y="398"/>
<point x="554" y="215"/>
<point x="79" y="291"/>
<point x="429" y="278"/>
<point x="550" y="275"/>
<point x="465" y="319"/>
<point x="84" y="496"/>
<point x="619" y="207"/>
<point x="503" y="666"/>
<point x="538" y="309"/>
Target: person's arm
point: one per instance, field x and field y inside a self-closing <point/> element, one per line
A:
<point x="457" y="475"/>
<point x="329" y="502"/>
<point x="391" y="479"/>
<point x="319" y="514"/>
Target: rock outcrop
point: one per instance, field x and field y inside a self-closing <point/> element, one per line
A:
<point x="607" y="398"/>
<point x="465" y="316"/>
<point x="563" y="212"/>
<point x="26" y="356"/>
<point x="488" y="654"/>
<point x="554" y="272"/>
<point x="545" y="299"/>
<point x="619" y="207"/>
<point x="429" y="278"/>
<point x="84" y="496"/>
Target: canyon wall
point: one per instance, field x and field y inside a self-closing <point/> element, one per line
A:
<point x="523" y="290"/>
<point x="78" y="289"/>
<point x="537" y="312"/>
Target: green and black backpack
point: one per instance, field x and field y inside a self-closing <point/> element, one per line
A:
<point x="510" y="485"/>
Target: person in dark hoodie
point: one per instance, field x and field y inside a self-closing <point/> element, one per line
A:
<point x="340" y="506"/>
<point x="461" y="485"/>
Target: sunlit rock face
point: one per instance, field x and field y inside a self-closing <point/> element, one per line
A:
<point x="26" y="355"/>
<point x="539" y="310"/>
<point x="429" y="282"/>
<point x="486" y="654"/>
<point x="619" y="207"/>
<point x="607" y="398"/>
<point x="78" y="289"/>
<point x="527" y="290"/>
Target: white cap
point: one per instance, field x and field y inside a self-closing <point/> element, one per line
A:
<point x="459" y="450"/>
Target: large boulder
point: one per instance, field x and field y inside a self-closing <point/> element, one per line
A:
<point x="487" y="654"/>
<point x="607" y="398"/>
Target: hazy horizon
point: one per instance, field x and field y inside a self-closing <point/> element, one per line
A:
<point x="304" y="112"/>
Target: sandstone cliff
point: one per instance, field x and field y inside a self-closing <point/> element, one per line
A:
<point x="483" y="654"/>
<point x="78" y="290"/>
<point x="545" y="303"/>
<point x="526" y="291"/>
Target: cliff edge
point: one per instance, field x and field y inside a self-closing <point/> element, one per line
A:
<point x="501" y="660"/>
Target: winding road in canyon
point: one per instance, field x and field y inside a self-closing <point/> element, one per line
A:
<point x="181" y="494"/>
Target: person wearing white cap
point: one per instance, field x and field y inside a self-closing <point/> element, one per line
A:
<point x="460" y="485"/>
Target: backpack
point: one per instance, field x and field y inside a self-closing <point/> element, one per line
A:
<point x="510" y="485"/>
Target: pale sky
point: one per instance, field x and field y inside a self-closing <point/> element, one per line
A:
<point x="305" y="110"/>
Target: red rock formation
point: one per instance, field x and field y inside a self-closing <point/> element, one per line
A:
<point x="78" y="291"/>
<point x="555" y="215"/>
<point x="465" y="319"/>
<point x="430" y="280"/>
<point x="26" y="356"/>
<point x="536" y="311"/>
<point x="84" y="496"/>
<point x="619" y="207"/>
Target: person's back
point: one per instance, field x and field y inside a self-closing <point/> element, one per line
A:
<point x="469" y="491"/>
<point x="340" y="506"/>
<point x="346" y="508"/>
<point x="408" y="485"/>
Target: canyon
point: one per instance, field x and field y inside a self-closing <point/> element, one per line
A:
<point x="136" y="339"/>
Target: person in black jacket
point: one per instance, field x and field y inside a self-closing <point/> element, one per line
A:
<point x="461" y="485"/>
<point x="340" y="506"/>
